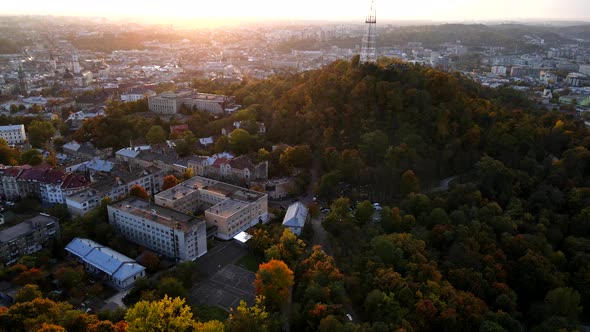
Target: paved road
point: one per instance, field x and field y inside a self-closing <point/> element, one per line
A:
<point x="443" y="185"/>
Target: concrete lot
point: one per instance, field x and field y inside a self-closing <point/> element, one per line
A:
<point x="225" y="284"/>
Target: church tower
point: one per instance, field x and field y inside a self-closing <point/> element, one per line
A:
<point x="22" y="81"/>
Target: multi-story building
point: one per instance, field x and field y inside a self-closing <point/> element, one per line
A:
<point x="137" y="94"/>
<point x="13" y="134"/>
<point x="170" y="102"/>
<point x="227" y="168"/>
<point x="230" y="209"/>
<point x="49" y="185"/>
<point x="165" y="231"/>
<point x="167" y="103"/>
<point x="108" y="265"/>
<point x="115" y="185"/>
<point x="27" y="237"/>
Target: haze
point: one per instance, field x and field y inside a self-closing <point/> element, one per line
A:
<point x="451" y="10"/>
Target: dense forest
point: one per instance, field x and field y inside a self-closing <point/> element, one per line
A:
<point x="504" y="248"/>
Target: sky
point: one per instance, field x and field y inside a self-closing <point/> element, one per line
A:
<point x="333" y="10"/>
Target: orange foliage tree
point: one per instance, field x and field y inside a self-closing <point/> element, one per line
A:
<point x="169" y="181"/>
<point x="273" y="280"/>
<point x="139" y="192"/>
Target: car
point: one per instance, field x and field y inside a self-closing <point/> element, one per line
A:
<point x="349" y="316"/>
<point x="9" y="203"/>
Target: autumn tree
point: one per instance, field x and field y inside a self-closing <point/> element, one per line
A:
<point x="27" y="293"/>
<point x="273" y="281"/>
<point x="409" y="183"/>
<point x="169" y="181"/>
<point x="31" y="157"/>
<point x="150" y="260"/>
<point x="40" y="132"/>
<point x="167" y="314"/>
<point x="244" y="318"/>
<point x="139" y="192"/>
<point x="8" y="155"/>
<point x="289" y="249"/>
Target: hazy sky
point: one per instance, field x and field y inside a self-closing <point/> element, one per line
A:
<point x="440" y="10"/>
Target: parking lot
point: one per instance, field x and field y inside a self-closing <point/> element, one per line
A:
<point x="225" y="284"/>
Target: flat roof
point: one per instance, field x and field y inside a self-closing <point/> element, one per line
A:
<point x="26" y="227"/>
<point x="159" y="214"/>
<point x="227" y="208"/>
<point x="12" y="127"/>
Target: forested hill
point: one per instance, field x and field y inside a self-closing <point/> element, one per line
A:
<point x="506" y="249"/>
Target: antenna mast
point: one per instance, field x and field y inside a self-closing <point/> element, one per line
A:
<point x="369" y="49"/>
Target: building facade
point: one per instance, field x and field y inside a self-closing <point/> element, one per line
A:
<point x="296" y="217"/>
<point x="110" y="266"/>
<point x="162" y="230"/>
<point x="228" y="208"/>
<point x="27" y="237"/>
<point x="13" y="134"/>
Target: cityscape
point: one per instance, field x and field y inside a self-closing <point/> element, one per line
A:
<point x="348" y="167"/>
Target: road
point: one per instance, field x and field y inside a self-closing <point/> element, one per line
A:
<point x="320" y="235"/>
<point x="443" y="185"/>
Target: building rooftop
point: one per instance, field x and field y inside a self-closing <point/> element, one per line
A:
<point x="26" y="227"/>
<point x="12" y="127"/>
<point x="161" y="215"/>
<point x="296" y="215"/>
<point x="103" y="258"/>
<point x="227" y="208"/>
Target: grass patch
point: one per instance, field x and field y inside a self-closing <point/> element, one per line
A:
<point x="205" y="313"/>
<point x="249" y="262"/>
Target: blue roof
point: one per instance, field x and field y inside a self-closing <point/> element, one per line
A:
<point x="105" y="259"/>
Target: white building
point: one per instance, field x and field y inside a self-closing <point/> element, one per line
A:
<point x="111" y="266"/>
<point x="296" y="217"/>
<point x="162" y="230"/>
<point x="13" y="134"/>
<point x="137" y="94"/>
<point x="166" y="103"/>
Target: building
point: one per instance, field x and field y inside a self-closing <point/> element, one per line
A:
<point x="278" y="188"/>
<point x="13" y="134"/>
<point x="49" y="185"/>
<point x="228" y="208"/>
<point x="296" y="217"/>
<point x="171" y="102"/>
<point x="108" y="265"/>
<point x="225" y="167"/>
<point x="115" y="185"/>
<point x="27" y="237"/>
<point x="166" y="103"/>
<point x="162" y="230"/>
<point x="137" y="94"/>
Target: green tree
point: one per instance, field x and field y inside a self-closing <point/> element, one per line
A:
<point x="167" y="314"/>
<point x="564" y="302"/>
<point x="296" y="157"/>
<point x="364" y="212"/>
<point x="240" y="141"/>
<point x="27" y="293"/>
<point x="8" y="155"/>
<point x="172" y="287"/>
<point x="155" y="135"/>
<point x="31" y="157"/>
<point x="374" y="146"/>
<point x="40" y="132"/>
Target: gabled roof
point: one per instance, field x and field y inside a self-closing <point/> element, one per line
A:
<point x="295" y="216"/>
<point x="104" y="258"/>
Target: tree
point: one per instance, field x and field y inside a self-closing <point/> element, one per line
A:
<point x="150" y="260"/>
<point x="289" y="249"/>
<point x="27" y="293"/>
<point x="139" y="192"/>
<point x="169" y="181"/>
<point x="8" y="155"/>
<point x="364" y="212"/>
<point x="172" y="287"/>
<point x="409" y="183"/>
<point x="564" y="302"/>
<point x="40" y="132"/>
<point x="210" y="326"/>
<point x="297" y="157"/>
<point x="252" y="319"/>
<point x="240" y="141"/>
<point x="31" y="157"/>
<point x="374" y="146"/>
<point x="155" y="135"/>
<point x="167" y="314"/>
<point x="273" y="281"/>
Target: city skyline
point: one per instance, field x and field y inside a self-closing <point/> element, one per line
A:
<point x="333" y="10"/>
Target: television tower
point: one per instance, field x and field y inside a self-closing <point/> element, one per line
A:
<point x="369" y="49"/>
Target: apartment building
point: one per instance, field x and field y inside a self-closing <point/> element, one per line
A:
<point x="13" y="134"/>
<point x="225" y="167"/>
<point x="162" y="230"/>
<point x="170" y="102"/>
<point x="115" y="185"/>
<point x="27" y="237"/>
<point x="228" y="208"/>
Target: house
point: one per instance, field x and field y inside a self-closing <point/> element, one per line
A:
<point x="112" y="267"/>
<point x="296" y="217"/>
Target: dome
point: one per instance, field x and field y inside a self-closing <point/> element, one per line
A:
<point x="68" y="75"/>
